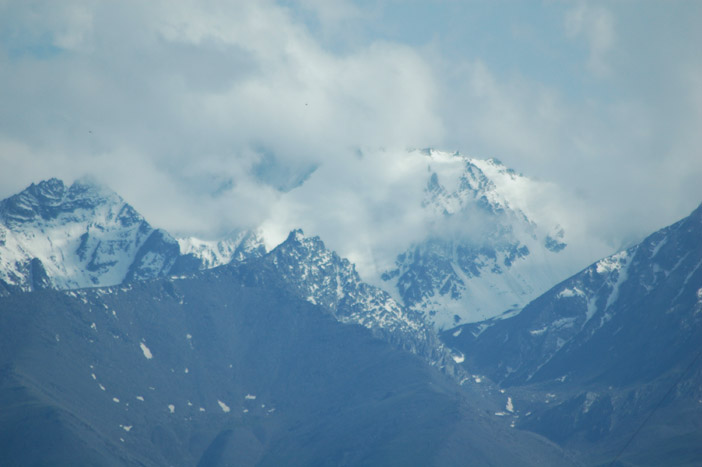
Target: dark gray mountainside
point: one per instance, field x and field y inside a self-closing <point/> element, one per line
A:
<point x="614" y="349"/>
<point x="227" y="367"/>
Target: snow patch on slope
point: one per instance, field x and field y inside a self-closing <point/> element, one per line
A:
<point x="225" y="408"/>
<point x="146" y="351"/>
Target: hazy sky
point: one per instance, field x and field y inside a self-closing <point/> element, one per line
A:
<point x="197" y="113"/>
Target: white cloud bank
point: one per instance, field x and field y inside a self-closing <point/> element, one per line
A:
<point x="175" y="105"/>
<point x="184" y="108"/>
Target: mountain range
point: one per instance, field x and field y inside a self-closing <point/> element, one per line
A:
<point x="122" y="344"/>
<point x="284" y="357"/>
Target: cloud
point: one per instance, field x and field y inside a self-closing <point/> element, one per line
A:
<point x="613" y="168"/>
<point x="331" y="13"/>
<point x="515" y="117"/>
<point x="623" y="147"/>
<point x="174" y="105"/>
<point x="369" y="214"/>
<point x="596" y="25"/>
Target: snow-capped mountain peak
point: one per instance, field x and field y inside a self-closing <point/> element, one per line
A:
<point x="484" y="254"/>
<point x="77" y="236"/>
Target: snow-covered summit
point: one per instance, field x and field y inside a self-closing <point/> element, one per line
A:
<point x="484" y="253"/>
<point x="238" y="246"/>
<point x="85" y="235"/>
<point x="53" y="235"/>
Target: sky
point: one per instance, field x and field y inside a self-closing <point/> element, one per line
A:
<point x="211" y="116"/>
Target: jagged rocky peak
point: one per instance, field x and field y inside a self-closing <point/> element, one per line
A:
<point x="320" y="276"/>
<point x="51" y="198"/>
<point x="483" y="254"/>
<point x="306" y="262"/>
<point x="312" y="252"/>
<point x="35" y="201"/>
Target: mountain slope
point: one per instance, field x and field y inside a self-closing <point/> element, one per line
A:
<point x="226" y="368"/>
<point x="598" y="353"/>
<point x="483" y="254"/>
